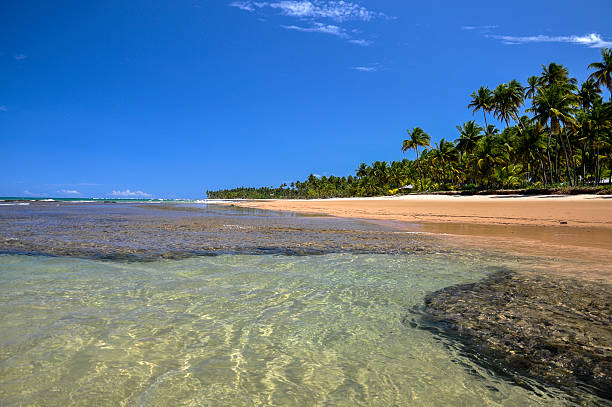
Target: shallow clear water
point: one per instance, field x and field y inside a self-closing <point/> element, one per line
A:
<point x="235" y="330"/>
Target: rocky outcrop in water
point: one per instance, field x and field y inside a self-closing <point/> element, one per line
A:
<point x="145" y="232"/>
<point x="554" y="329"/>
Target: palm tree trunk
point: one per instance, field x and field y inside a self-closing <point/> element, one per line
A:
<point x="567" y="162"/>
<point x="543" y="171"/>
<point x="485" y="117"/>
<point x="574" y="166"/>
<point x="558" y="178"/>
<point x="597" y="170"/>
<point x="419" y="166"/>
<point x="549" y="161"/>
<point x="584" y="148"/>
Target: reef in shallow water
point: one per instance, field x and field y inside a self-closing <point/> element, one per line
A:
<point x="554" y="329"/>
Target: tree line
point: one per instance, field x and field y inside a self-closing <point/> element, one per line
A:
<point x="555" y="133"/>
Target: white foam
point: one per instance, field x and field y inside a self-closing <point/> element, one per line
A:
<point x="15" y="204"/>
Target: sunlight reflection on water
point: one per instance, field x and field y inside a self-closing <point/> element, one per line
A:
<point x="238" y="330"/>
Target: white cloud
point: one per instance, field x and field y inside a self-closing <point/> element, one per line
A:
<point x="592" y="40"/>
<point x="320" y="28"/>
<point x="129" y="193"/>
<point x="373" y="67"/>
<point x="479" y="27"/>
<point x="308" y="11"/>
<point x="2" y="108"/>
<point x="365" y="68"/>
<point x="69" y="191"/>
<point x="335" y="10"/>
<point x="19" y="57"/>
<point x="243" y="5"/>
<point x="363" y="43"/>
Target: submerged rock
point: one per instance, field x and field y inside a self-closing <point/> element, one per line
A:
<point x="550" y="328"/>
<point x="174" y="231"/>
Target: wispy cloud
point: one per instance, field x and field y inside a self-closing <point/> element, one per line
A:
<point x="309" y="11"/>
<point x="374" y="67"/>
<point x="592" y="40"/>
<point x="19" y="57"/>
<point x="2" y="108"/>
<point x="479" y="27"/>
<point x="243" y="5"/>
<point x="129" y="193"/>
<point x="69" y="191"/>
<point x="363" y="43"/>
<point x="365" y="68"/>
<point x="320" y="28"/>
<point x="335" y="10"/>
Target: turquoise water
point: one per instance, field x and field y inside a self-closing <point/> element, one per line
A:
<point x="240" y="330"/>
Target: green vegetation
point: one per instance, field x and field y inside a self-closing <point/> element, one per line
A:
<point x="562" y="140"/>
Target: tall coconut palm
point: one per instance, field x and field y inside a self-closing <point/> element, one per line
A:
<point x="517" y="98"/>
<point x="589" y="93"/>
<point x="362" y="171"/>
<point x="417" y="138"/>
<point x="555" y="105"/>
<point x="555" y="74"/>
<point x="600" y="118"/>
<point x="529" y="146"/>
<point x="380" y="171"/>
<point x="469" y="134"/>
<point x="533" y="83"/>
<point x="603" y="73"/>
<point x="447" y="155"/>
<point x="487" y="154"/>
<point x="507" y="100"/>
<point x="482" y="100"/>
<point x="491" y="130"/>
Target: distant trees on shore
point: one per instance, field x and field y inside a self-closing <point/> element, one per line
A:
<point x="563" y="139"/>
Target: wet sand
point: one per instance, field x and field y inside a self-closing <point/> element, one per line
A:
<point x="566" y="227"/>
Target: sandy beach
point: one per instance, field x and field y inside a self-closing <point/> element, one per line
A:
<point x="568" y="226"/>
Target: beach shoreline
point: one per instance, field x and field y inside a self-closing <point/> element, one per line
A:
<point x="576" y="227"/>
<point x="536" y="210"/>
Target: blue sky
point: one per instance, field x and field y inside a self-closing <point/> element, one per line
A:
<point x="170" y="98"/>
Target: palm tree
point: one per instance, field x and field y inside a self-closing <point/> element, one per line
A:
<point x="447" y="155"/>
<point x="362" y="171"/>
<point x="507" y="100"/>
<point x="528" y="147"/>
<point x="491" y="130"/>
<point x="469" y="134"/>
<point x="600" y="118"/>
<point x="418" y="138"/>
<point x="533" y="83"/>
<point x="555" y="74"/>
<point x="589" y="93"/>
<point x="482" y="100"/>
<point x="603" y="74"/>
<point x="556" y="105"/>
<point x="380" y="171"/>
<point x="487" y="154"/>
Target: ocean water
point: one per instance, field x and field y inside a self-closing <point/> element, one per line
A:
<point x="337" y="328"/>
